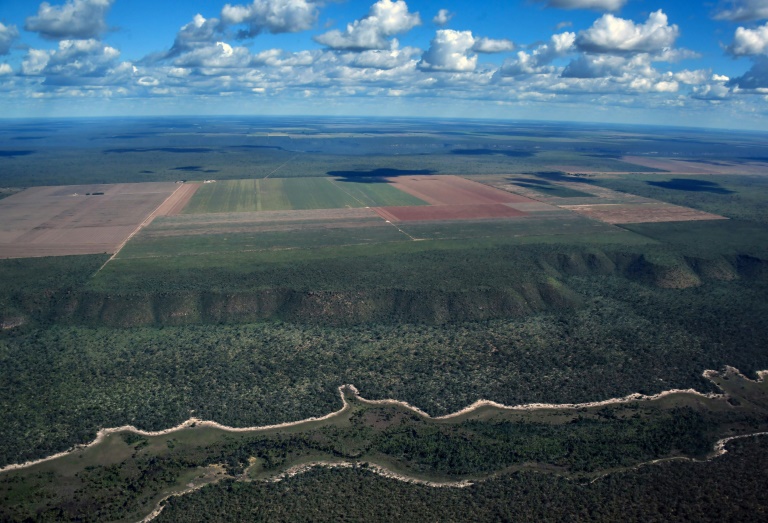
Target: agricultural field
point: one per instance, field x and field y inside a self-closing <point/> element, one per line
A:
<point x="700" y="167"/>
<point x="84" y="219"/>
<point x="278" y="194"/>
<point x="453" y="208"/>
<point x="600" y="203"/>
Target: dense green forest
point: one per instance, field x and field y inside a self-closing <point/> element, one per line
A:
<point x="731" y="488"/>
<point x="60" y="384"/>
<point x="125" y="474"/>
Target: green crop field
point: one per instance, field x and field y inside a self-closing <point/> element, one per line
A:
<point x="377" y="194"/>
<point x="536" y="225"/>
<point x="551" y="189"/>
<point x="307" y="237"/>
<point x="293" y="193"/>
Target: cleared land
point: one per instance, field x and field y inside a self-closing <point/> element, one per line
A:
<point x="699" y="167"/>
<point x="76" y="219"/>
<point x="461" y="209"/>
<point x="448" y="212"/>
<point x="277" y="194"/>
<point x="180" y="198"/>
<point x="600" y="203"/>
<point x="452" y="190"/>
<point x="642" y="213"/>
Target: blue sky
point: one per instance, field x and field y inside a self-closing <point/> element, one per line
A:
<point x="632" y="61"/>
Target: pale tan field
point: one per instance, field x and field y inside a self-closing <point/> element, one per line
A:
<point x="641" y="213"/>
<point x="702" y="167"/>
<point x="607" y="205"/>
<point x="74" y="219"/>
<point x="178" y="200"/>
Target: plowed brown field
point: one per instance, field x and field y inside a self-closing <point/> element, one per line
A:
<point x="642" y="213"/>
<point x="452" y="190"/>
<point x="176" y="203"/>
<point x="76" y="219"/>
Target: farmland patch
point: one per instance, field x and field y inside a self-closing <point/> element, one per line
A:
<point x="642" y="213"/>
<point x="453" y="190"/>
<point x="180" y="198"/>
<point x="307" y="236"/>
<point x="701" y="167"/>
<point x="82" y="219"/>
<point x="448" y="212"/>
<point x="278" y="194"/>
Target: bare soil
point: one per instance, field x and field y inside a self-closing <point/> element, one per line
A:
<point x="448" y="212"/>
<point x="176" y="203"/>
<point x="453" y="190"/>
<point x="641" y="213"/>
<point x="76" y="219"/>
<point x="698" y="167"/>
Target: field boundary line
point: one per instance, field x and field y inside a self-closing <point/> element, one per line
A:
<point x="143" y="224"/>
<point x="342" y="189"/>
<point x="392" y="223"/>
<point x="282" y="165"/>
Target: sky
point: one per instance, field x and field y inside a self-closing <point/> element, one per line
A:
<point x="666" y="62"/>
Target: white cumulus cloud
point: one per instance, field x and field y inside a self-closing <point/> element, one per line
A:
<point x="273" y="16"/>
<point x="449" y="51"/>
<point x="76" y="19"/>
<point x="744" y="11"/>
<point x="385" y="19"/>
<point x="491" y="45"/>
<point x="610" y="34"/>
<point x="598" y="5"/>
<point x="280" y="58"/>
<point x="442" y="17"/>
<point x="595" y="66"/>
<point x="8" y="33"/>
<point x="5" y="70"/>
<point x="538" y="60"/>
<point x="749" y="42"/>
<point x="199" y="31"/>
<point x="697" y="77"/>
<point x="78" y="63"/>
<point x="387" y="59"/>
<point x="35" y="62"/>
<point x="218" y="55"/>
<point x="716" y="91"/>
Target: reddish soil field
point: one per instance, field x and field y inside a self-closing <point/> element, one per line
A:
<point x="448" y="212"/>
<point x="452" y="190"/>
<point x="178" y="200"/>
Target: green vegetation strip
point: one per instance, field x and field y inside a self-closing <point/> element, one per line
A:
<point x="126" y="472"/>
